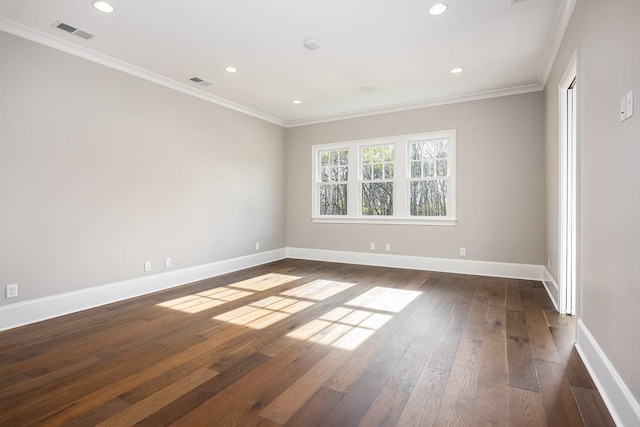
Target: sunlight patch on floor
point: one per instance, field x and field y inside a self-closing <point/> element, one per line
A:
<point x="264" y="282"/>
<point x="205" y="300"/>
<point x="217" y="296"/>
<point x="384" y="299"/>
<point x="265" y="312"/>
<point x="318" y="290"/>
<point x="343" y="328"/>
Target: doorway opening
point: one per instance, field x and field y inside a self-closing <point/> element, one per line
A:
<point x="568" y="255"/>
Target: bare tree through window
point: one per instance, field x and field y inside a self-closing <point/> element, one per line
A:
<point x="334" y="174"/>
<point x="429" y="183"/>
<point x="377" y="179"/>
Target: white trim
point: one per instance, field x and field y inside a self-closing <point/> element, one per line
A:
<point x="560" y="26"/>
<point x="401" y="180"/>
<point x="622" y="405"/>
<point x="551" y="286"/>
<point x="387" y="221"/>
<point x="559" y="29"/>
<point x="49" y="40"/>
<point x="568" y="202"/>
<point x="23" y="313"/>
<point x="108" y="61"/>
<point x="519" y="90"/>
<point x="447" y="265"/>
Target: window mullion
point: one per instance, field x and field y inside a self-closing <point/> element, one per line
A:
<point x="401" y="181"/>
<point x="353" y="192"/>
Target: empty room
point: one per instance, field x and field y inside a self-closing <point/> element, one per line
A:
<point x="297" y="213"/>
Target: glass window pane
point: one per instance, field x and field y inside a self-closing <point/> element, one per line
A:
<point x="344" y="157"/>
<point x="377" y="198"/>
<point x="333" y="199"/>
<point x="367" y="172"/>
<point x="324" y="158"/>
<point x="324" y="174"/>
<point x="428" y="168"/>
<point x="378" y="154"/>
<point x="388" y="153"/>
<point x="334" y="173"/>
<point x="428" y="198"/>
<point x="343" y="173"/>
<point x="388" y="171"/>
<point x="441" y="167"/>
<point x="366" y="155"/>
<point x="416" y="169"/>
<point x="377" y="171"/>
<point x="414" y="151"/>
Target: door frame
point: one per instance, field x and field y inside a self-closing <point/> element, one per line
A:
<point x="568" y="255"/>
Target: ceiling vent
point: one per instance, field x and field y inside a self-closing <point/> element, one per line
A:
<point x="199" y="81"/>
<point x="73" y="30"/>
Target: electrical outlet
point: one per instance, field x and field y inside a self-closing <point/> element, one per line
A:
<point x="548" y="262"/>
<point x="257" y="246"/>
<point x="373" y="246"/>
<point x="11" y="290"/>
<point x="167" y="263"/>
<point x="147" y="266"/>
<point x="463" y="251"/>
<point x="387" y="247"/>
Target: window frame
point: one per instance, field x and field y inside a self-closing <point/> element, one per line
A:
<point x="401" y="181"/>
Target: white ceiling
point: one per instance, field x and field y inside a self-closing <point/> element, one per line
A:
<point x="505" y="46"/>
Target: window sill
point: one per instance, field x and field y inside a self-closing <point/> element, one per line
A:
<point x="386" y="221"/>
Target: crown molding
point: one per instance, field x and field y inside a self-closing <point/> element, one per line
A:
<point x="518" y="90"/>
<point x="46" y="39"/>
<point x="560" y="26"/>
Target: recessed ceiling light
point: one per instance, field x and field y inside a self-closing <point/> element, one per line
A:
<point x="438" y="9"/>
<point x="296" y="101"/>
<point x="457" y="70"/>
<point x="367" y="88"/>
<point x="103" y="6"/>
<point x="231" y="69"/>
<point x="312" y="44"/>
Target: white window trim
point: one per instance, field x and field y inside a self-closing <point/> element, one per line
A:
<point x="401" y="180"/>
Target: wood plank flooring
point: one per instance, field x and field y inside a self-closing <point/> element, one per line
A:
<point x="302" y="343"/>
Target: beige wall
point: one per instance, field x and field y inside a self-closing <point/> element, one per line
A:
<point x="606" y="36"/>
<point x="101" y="171"/>
<point x="500" y="182"/>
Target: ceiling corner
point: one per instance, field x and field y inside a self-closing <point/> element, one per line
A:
<point x="565" y="11"/>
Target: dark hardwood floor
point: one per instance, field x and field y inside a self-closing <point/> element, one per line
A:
<point x="301" y="343"/>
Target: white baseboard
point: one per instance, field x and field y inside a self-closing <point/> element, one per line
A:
<point x="23" y="313"/>
<point x="622" y="405"/>
<point x="552" y="288"/>
<point x="447" y="265"/>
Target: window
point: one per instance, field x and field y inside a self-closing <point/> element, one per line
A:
<point x="334" y="171"/>
<point x="429" y="181"/>
<point x="408" y="179"/>
<point x="377" y="179"/>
